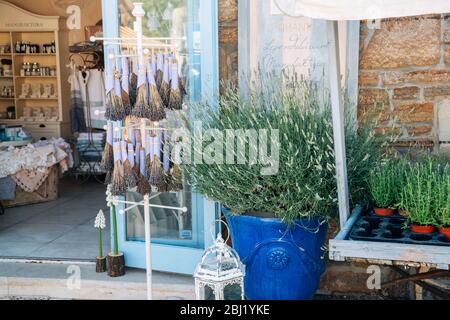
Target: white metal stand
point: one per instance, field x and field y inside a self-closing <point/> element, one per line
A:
<point x="147" y="205"/>
<point x="139" y="13"/>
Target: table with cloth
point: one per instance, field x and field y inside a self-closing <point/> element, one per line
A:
<point x="30" y="174"/>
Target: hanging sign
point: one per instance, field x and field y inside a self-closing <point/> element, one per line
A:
<point x="290" y="43"/>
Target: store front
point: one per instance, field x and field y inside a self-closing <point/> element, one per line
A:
<point x="55" y="220"/>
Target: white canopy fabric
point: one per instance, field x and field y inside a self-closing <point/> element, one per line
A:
<point x="367" y="9"/>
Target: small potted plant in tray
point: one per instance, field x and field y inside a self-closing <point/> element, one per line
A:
<point x="418" y="195"/>
<point x="442" y="202"/>
<point x="400" y="166"/>
<point x="382" y="186"/>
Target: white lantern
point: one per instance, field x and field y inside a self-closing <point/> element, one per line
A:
<point x="219" y="268"/>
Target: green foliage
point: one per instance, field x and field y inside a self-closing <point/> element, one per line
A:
<point x="441" y="208"/>
<point x="382" y="184"/>
<point x="400" y="167"/>
<point x="305" y="185"/>
<point x="425" y="195"/>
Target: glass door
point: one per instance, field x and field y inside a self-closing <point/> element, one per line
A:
<point x="178" y="239"/>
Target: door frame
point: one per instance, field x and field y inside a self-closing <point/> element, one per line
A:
<point x="169" y="258"/>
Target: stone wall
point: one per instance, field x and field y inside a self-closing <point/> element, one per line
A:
<point x="228" y="40"/>
<point x="404" y="77"/>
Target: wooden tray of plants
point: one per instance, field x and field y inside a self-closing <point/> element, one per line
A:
<point x="410" y="221"/>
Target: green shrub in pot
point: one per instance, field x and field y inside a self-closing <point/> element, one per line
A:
<point x="382" y="187"/>
<point x="423" y="196"/>
<point x="293" y="204"/>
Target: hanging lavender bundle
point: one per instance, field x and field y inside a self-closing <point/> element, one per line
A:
<point x="117" y="108"/>
<point x="132" y="158"/>
<point x="133" y="82"/>
<point x="156" y="174"/>
<point x="137" y="134"/>
<point x="148" y="154"/>
<point x="109" y="86"/>
<point x="128" y="174"/>
<point x="165" y="187"/>
<point x="137" y="159"/>
<point x="126" y="86"/>
<point x="176" y="96"/>
<point x="118" y="187"/>
<point x="108" y="178"/>
<point x="142" y="107"/>
<point x="157" y="112"/>
<point x="176" y="178"/>
<point x="159" y="70"/>
<point x="143" y="184"/>
<point x="108" y="154"/>
<point x="164" y="90"/>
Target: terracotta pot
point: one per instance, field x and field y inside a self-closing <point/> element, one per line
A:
<point x="445" y="231"/>
<point x="416" y="228"/>
<point x="402" y="212"/>
<point x="384" y="212"/>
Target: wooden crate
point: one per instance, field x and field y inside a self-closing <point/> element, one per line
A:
<point x="48" y="191"/>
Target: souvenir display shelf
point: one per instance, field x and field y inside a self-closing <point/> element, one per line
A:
<point x="42" y="115"/>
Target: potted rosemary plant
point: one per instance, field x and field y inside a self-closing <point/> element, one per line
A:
<point x="278" y="207"/>
<point x="382" y="187"/>
<point x="418" y="195"/>
<point x="442" y="202"/>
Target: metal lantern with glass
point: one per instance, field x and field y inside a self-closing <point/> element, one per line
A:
<point x="220" y="274"/>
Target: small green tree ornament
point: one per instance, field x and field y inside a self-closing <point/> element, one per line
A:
<point x="100" y="224"/>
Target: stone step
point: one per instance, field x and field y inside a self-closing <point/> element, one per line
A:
<point x="50" y="280"/>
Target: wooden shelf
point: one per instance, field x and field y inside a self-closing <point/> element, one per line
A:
<point x="39" y="30"/>
<point x="37" y="77"/>
<point x="6" y="99"/>
<point x="34" y="54"/>
<point x="40" y="99"/>
<point x="7" y="78"/>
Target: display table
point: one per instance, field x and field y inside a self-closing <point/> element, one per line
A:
<point x="48" y="191"/>
<point x="33" y="171"/>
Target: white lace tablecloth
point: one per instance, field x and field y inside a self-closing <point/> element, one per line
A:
<point x="32" y="158"/>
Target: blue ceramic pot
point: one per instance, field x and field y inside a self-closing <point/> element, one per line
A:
<point x="281" y="262"/>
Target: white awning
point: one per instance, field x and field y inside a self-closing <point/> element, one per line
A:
<point x="365" y="9"/>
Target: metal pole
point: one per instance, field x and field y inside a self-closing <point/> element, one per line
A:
<point x="148" y="257"/>
<point x="138" y="13"/>
<point x="338" y="123"/>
